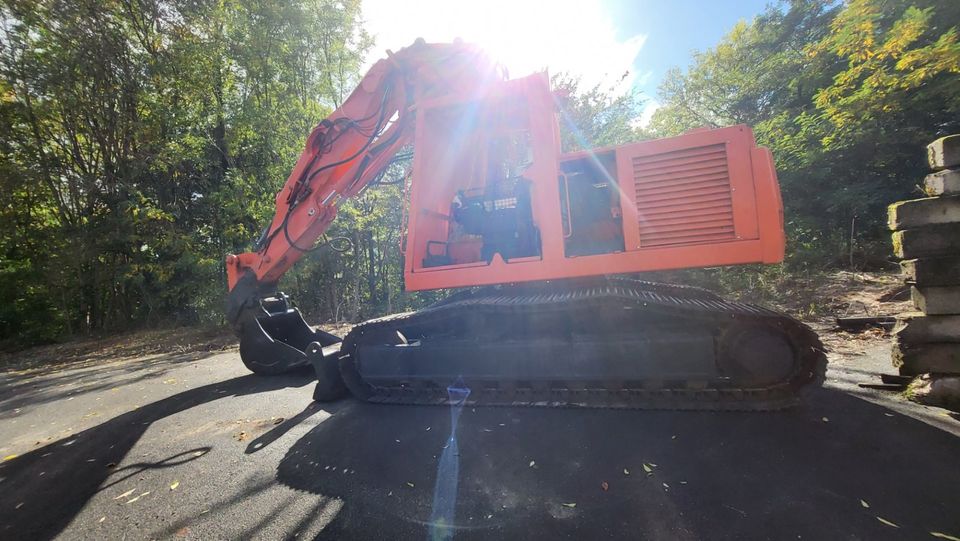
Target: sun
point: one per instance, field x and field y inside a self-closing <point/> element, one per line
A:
<point x="579" y="38"/>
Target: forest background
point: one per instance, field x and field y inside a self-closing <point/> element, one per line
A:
<point x="143" y="140"/>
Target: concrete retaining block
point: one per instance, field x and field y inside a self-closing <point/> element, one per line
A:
<point x="932" y="240"/>
<point x="946" y="182"/>
<point x="936" y="390"/>
<point x="922" y="212"/>
<point x="932" y="271"/>
<point x="935" y="301"/>
<point x="916" y="359"/>
<point x="917" y="328"/>
<point x="944" y="152"/>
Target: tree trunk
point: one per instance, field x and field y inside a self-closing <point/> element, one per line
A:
<point x="358" y="264"/>
<point x="371" y="269"/>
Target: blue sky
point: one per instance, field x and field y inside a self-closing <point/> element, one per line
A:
<point x="598" y="40"/>
<point x="675" y="28"/>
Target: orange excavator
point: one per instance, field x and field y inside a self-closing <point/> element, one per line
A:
<point x="541" y="246"/>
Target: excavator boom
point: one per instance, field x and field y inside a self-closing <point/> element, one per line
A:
<point x="353" y="145"/>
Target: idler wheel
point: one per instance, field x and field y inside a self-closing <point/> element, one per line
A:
<point x="757" y="356"/>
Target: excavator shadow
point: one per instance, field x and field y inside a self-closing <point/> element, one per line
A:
<point x="587" y="474"/>
<point x="77" y="467"/>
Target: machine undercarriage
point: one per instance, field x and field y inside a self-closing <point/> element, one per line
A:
<point x="612" y="343"/>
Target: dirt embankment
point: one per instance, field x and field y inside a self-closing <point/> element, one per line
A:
<point x="119" y="347"/>
<point x="819" y="300"/>
<point x="816" y="300"/>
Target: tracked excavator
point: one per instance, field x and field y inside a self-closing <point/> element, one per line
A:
<point x="541" y="246"/>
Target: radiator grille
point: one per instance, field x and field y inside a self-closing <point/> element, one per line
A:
<point x="683" y="197"/>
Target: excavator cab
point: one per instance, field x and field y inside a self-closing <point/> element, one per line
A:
<point x="499" y="215"/>
<point x="480" y="168"/>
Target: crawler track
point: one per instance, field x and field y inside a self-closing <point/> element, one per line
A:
<point x="611" y="344"/>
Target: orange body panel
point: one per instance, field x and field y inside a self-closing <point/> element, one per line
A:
<point x="707" y="198"/>
<point x="488" y="179"/>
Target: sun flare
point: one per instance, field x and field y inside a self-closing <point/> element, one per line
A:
<point x="575" y="37"/>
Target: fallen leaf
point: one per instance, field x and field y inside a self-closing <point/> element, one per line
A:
<point x="647" y="468"/>
<point x="570" y="505"/>
<point x="174" y="485"/>
<point x="626" y="471"/>
<point x="942" y="535"/>
<point x="409" y="484"/>
<point x="533" y="463"/>
<point x="887" y="522"/>
<point x="652" y="464"/>
<point x="865" y="504"/>
<point x="278" y="420"/>
<point x="604" y="486"/>
<point x="9" y="457"/>
<point x="138" y="497"/>
<point x="102" y="519"/>
<point x="824" y="419"/>
<point x="125" y="494"/>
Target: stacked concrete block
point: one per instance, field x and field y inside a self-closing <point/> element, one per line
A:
<point x="927" y="238"/>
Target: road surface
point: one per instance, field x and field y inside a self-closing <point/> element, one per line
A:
<point x="190" y="446"/>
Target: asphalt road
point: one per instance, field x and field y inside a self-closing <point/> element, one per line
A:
<point x="182" y="446"/>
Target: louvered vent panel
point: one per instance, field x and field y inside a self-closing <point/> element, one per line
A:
<point x="683" y="197"/>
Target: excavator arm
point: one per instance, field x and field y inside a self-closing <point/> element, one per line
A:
<point x="352" y="146"/>
<point x="342" y="156"/>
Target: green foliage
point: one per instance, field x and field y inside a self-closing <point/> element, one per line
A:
<point x="144" y="140"/>
<point x="846" y="96"/>
<point x="597" y="116"/>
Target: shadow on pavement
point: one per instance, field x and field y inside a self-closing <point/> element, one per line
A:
<point x="77" y="467"/>
<point x="23" y="391"/>
<point x="539" y="473"/>
<point x="278" y="431"/>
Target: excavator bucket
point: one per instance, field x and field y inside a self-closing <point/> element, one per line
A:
<point x="275" y="339"/>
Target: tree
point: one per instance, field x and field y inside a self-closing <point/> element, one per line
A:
<point x="145" y="139"/>
<point x="596" y="116"/>
<point x="846" y="96"/>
